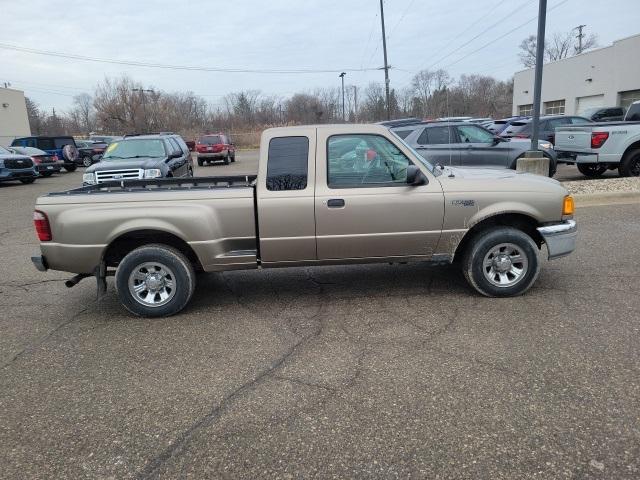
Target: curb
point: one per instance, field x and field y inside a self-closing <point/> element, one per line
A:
<point x="605" y="198"/>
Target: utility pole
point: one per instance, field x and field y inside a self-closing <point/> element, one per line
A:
<point x="344" y="118"/>
<point x="386" y="65"/>
<point x="144" y="103"/>
<point x="355" y="104"/>
<point x="580" y="36"/>
<point x="537" y="85"/>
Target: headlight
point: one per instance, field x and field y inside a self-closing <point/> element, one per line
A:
<point x="545" y="145"/>
<point x="89" y="178"/>
<point x="152" y="173"/>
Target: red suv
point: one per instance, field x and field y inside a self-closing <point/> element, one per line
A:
<point x="215" y="146"/>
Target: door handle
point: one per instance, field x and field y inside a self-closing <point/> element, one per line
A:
<point x="335" y="203"/>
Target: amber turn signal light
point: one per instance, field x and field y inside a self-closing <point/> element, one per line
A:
<point x="568" y="207"/>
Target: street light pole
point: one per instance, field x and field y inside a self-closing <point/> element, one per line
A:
<point x="344" y="118"/>
<point x="386" y="65"/>
<point x="537" y="85"/>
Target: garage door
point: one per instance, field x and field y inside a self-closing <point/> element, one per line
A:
<point x="592" y="101"/>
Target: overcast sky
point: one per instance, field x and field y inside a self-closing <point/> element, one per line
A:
<point x="276" y="34"/>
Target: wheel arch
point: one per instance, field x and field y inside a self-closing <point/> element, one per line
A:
<point x="521" y="221"/>
<point x="126" y="242"/>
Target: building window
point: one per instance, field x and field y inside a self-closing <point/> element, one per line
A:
<point x="556" y="107"/>
<point x="627" y="98"/>
<point x="525" y="110"/>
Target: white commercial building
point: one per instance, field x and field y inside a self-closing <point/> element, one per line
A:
<point x="14" y="121"/>
<point x="604" y="77"/>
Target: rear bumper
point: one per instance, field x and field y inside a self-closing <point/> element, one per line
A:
<point x="49" y="167"/>
<point x="40" y="263"/>
<point x="212" y="156"/>
<point x="560" y="238"/>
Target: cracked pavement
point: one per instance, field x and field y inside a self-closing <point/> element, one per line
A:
<point x="375" y="371"/>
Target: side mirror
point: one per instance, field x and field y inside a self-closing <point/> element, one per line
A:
<point x="415" y="177"/>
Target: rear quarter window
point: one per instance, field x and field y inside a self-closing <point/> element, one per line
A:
<point x="288" y="163"/>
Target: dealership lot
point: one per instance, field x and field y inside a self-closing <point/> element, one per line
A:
<point x="370" y="371"/>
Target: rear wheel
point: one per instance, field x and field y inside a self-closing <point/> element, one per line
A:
<point x="591" y="169"/>
<point x="155" y="281"/>
<point x="200" y="162"/>
<point x="501" y="262"/>
<point x="70" y="167"/>
<point x="28" y="180"/>
<point x="227" y="159"/>
<point x="87" y="162"/>
<point x="630" y="164"/>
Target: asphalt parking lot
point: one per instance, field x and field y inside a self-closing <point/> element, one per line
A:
<point x="378" y="371"/>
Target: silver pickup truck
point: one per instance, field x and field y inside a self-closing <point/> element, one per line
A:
<point x="598" y="147"/>
<point x="329" y="194"/>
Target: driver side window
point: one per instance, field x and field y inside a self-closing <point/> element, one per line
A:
<point x="357" y="161"/>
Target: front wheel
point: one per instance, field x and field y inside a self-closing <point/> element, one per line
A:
<point x="501" y="262"/>
<point x="227" y="159"/>
<point x="592" y="170"/>
<point x="28" y="180"/>
<point x="155" y="281"/>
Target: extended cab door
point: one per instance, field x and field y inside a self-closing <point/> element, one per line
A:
<point x="286" y="221"/>
<point x="363" y="205"/>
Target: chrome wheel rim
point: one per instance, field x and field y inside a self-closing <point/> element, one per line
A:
<point x="86" y="162"/>
<point x="505" y="265"/>
<point x="152" y="284"/>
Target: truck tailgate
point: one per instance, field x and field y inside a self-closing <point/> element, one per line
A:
<point x="573" y="139"/>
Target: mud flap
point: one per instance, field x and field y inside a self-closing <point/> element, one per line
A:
<point x="100" y="273"/>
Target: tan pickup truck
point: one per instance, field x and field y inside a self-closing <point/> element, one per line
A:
<point x="327" y="194"/>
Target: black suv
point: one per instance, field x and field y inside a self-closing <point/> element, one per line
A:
<point x="64" y="147"/>
<point x="138" y="157"/>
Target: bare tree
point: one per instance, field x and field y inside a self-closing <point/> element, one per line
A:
<point x="425" y="83"/>
<point x="559" y="46"/>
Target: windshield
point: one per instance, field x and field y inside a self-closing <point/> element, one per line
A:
<point x="135" y="149"/>
<point x="419" y="157"/>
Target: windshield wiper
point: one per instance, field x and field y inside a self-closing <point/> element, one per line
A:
<point x="141" y="156"/>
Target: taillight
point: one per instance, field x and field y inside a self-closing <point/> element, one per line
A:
<point x="598" y="139"/>
<point x="36" y="160"/>
<point x="41" y="223"/>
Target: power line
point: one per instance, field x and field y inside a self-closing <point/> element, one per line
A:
<point x="404" y="14"/>
<point x="503" y="35"/>
<point x="510" y="14"/>
<point x="132" y="63"/>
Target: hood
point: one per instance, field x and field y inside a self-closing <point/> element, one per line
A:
<point x="14" y="156"/>
<point x="472" y="179"/>
<point x="121" y="164"/>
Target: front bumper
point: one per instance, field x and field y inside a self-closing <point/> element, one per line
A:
<point x="17" y="173"/>
<point x="560" y="238"/>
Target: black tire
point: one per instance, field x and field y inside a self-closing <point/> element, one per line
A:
<point x="233" y="158"/>
<point x="227" y="159"/>
<point x="70" y="167"/>
<point x="488" y="241"/>
<point x="174" y="262"/>
<point x="591" y="170"/>
<point x="28" y="180"/>
<point x="200" y="162"/>
<point x="87" y="161"/>
<point x="46" y="174"/>
<point x="630" y="164"/>
<point x="553" y="166"/>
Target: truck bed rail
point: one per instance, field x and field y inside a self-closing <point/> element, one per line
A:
<point x="164" y="184"/>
